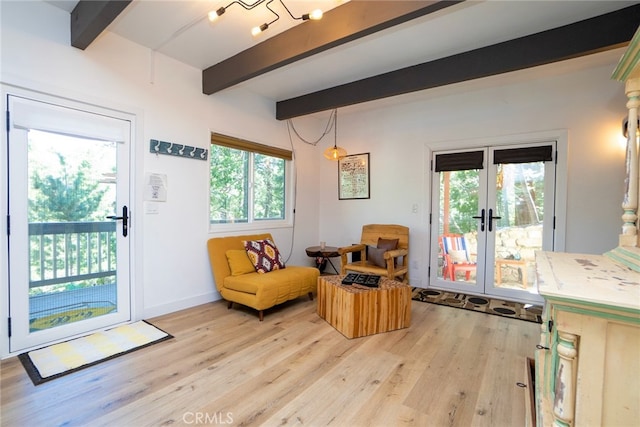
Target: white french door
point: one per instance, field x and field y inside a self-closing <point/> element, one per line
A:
<point x="492" y="208"/>
<point x="68" y="211"/>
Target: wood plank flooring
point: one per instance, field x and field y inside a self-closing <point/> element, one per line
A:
<point x="452" y="367"/>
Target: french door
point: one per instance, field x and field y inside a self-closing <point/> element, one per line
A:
<point x="492" y="208"/>
<point x="68" y="211"/>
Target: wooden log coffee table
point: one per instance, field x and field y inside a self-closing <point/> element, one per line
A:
<point x="358" y="311"/>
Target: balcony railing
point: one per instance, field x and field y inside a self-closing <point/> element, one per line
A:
<point x="71" y="252"/>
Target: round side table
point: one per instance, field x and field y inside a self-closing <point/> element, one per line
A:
<point x="323" y="256"/>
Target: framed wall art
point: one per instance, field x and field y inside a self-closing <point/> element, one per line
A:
<point x="353" y="177"/>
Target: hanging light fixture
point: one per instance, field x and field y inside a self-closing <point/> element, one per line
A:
<point x="215" y="14"/>
<point x="335" y="153"/>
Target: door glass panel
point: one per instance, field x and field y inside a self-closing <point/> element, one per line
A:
<point x="489" y="220"/>
<point x="519" y="230"/>
<point x="72" y="247"/>
<point x="457" y="235"/>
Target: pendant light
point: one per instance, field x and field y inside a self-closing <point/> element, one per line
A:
<point x="335" y="153"/>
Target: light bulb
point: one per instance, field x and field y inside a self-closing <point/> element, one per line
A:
<point x="315" y="14"/>
<point x="214" y="14"/>
<point x="257" y="30"/>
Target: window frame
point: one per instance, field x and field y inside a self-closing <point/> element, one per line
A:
<point x="254" y="148"/>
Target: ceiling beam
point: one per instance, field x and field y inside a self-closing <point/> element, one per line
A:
<point x="340" y="25"/>
<point x="600" y="33"/>
<point x="90" y="18"/>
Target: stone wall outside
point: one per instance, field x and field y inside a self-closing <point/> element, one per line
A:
<point x="513" y="243"/>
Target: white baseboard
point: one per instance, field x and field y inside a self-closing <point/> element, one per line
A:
<point x="174" y="306"/>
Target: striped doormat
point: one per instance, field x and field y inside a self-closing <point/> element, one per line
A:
<point x="64" y="358"/>
<point x="483" y="304"/>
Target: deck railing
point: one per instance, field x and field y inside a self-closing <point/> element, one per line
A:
<point x="71" y="252"/>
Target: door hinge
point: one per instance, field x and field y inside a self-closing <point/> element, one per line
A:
<point x="9" y="326"/>
<point x="8" y="121"/>
<point x="429" y="271"/>
<point x="431" y="165"/>
<point x="550" y="325"/>
<point x="554" y="222"/>
<point x="430" y="215"/>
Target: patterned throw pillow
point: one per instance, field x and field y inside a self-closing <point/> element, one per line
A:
<point x="264" y="255"/>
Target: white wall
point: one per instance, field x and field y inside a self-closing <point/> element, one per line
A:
<point x="586" y="104"/>
<point x="170" y="267"/>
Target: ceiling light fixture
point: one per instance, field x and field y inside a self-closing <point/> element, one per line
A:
<point x="215" y="14"/>
<point x="335" y="153"/>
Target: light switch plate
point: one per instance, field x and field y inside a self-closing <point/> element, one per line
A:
<point x="151" y="208"/>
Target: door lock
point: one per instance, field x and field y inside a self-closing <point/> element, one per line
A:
<point x="481" y="218"/>
<point x="491" y="218"/>
<point x="124" y="218"/>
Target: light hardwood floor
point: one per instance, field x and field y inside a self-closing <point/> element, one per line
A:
<point x="452" y="367"/>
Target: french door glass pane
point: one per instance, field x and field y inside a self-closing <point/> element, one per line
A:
<point x="519" y="231"/>
<point x="72" y="247"/>
<point x="458" y="238"/>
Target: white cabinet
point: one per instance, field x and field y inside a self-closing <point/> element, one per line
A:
<point x="588" y="361"/>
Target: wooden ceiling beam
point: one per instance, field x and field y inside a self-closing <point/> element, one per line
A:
<point x="600" y="33"/>
<point x="90" y="18"/>
<point x="340" y="25"/>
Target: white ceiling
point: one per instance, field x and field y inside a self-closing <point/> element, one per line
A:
<point x="179" y="29"/>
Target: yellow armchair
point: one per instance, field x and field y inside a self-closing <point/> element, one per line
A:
<point x="238" y="281"/>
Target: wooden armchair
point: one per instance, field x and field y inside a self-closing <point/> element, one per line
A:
<point x="378" y="253"/>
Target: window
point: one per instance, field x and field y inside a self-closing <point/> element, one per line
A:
<point x="248" y="182"/>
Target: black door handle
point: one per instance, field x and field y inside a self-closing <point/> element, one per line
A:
<point x="491" y="218"/>
<point x="124" y="218"/>
<point x="481" y="218"/>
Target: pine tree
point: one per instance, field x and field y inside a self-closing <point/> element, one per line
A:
<point x="67" y="196"/>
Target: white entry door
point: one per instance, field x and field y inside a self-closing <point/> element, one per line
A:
<point x="492" y="208"/>
<point x="69" y="221"/>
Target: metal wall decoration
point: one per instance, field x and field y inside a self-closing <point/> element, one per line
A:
<point x="163" y="147"/>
